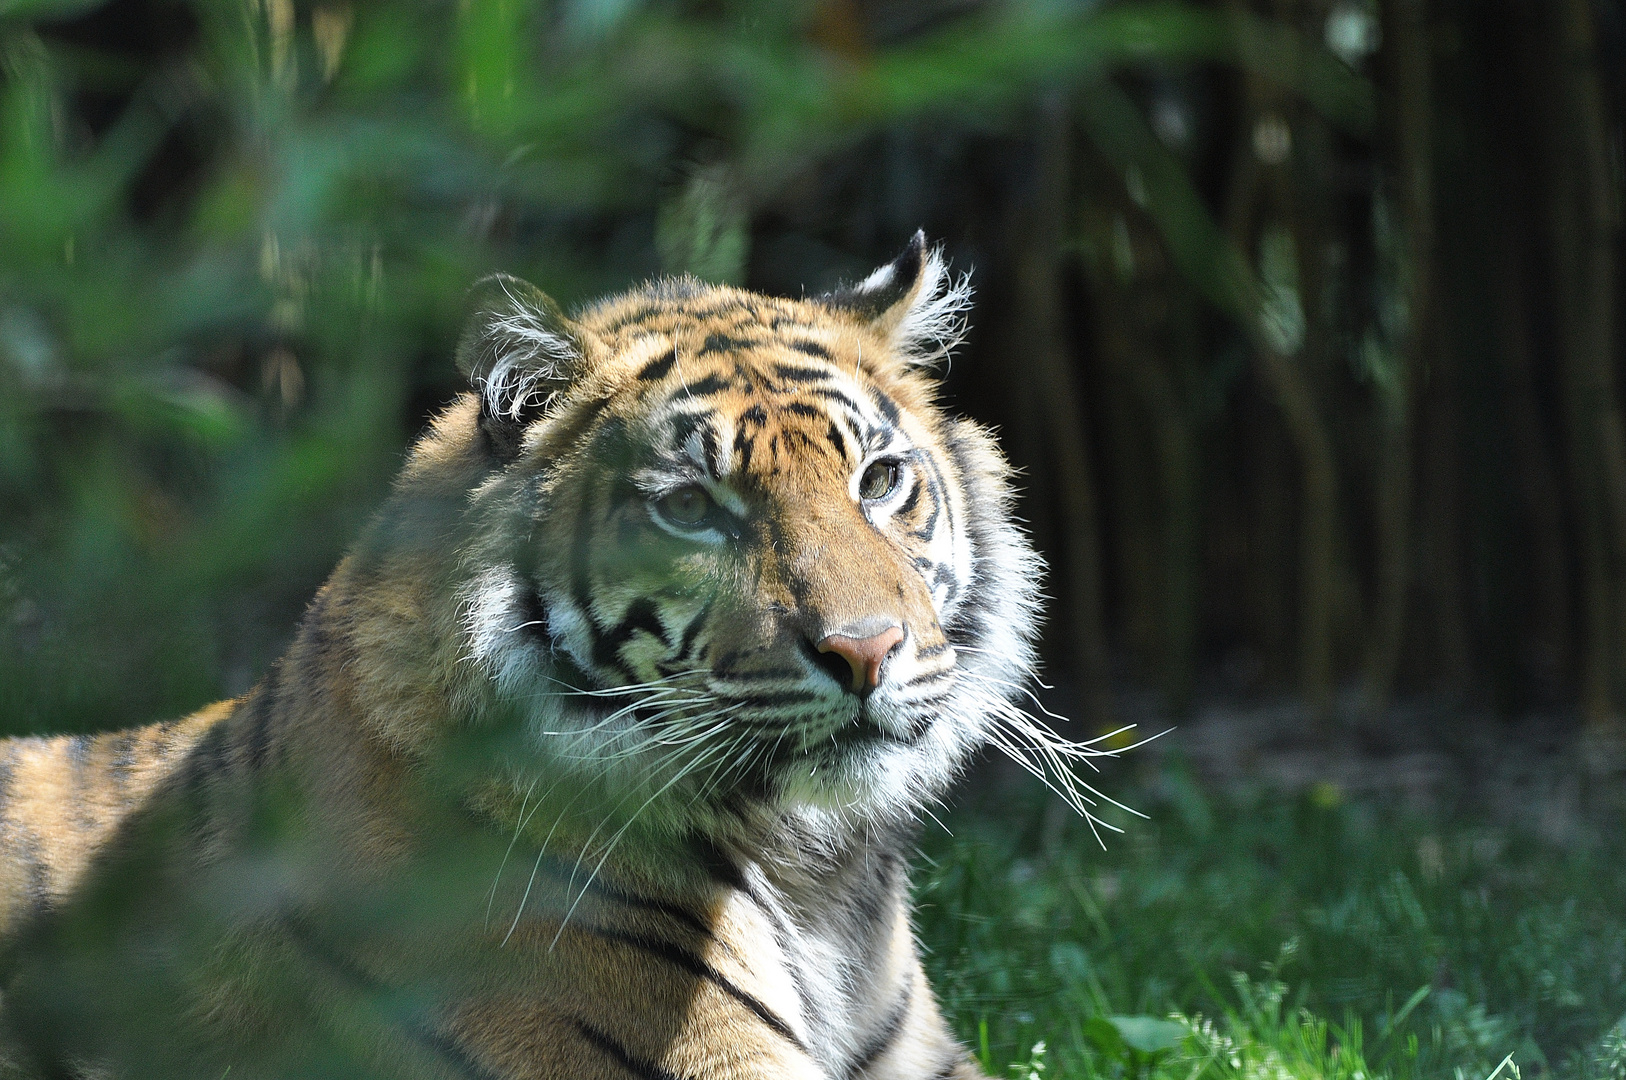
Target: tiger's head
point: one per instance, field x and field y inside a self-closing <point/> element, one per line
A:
<point x="733" y="557"/>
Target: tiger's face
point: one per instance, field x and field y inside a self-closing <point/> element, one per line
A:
<point x="748" y="563"/>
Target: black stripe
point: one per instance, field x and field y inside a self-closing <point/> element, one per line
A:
<point x="724" y="870"/>
<point x="708" y="449"/>
<point x="934" y="470"/>
<point x="880" y="1042"/>
<point x="716" y="863"/>
<point x="534" y="622"/>
<point x="723" y="343"/>
<point x="658" y="367"/>
<point x="576" y="423"/>
<point x="684" y="425"/>
<point x="691" y="631"/>
<point x="968" y="622"/>
<point x="564" y="873"/>
<point x="756" y="416"/>
<point x="811" y="348"/>
<point x="888" y="408"/>
<point x="722" y="307"/>
<point x="929" y="529"/>
<point x="258" y="739"/>
<point x="319" y="954"/>
<point x="636" y="315"/>
<point x="694" y="965"/>
<point x="788" y="697"/>
<point x="760" y="674"/>
<point x="447" y="1048"/>
<point x="912" y="501"/>
<point x="607" y="448"/>
<point x="39" y="875"/>
<point x="641" y="615"/>
<point x="303" y="936"/>
<point x="802" y="408"/>
<point x="947" y="1071"/>
<point x="834" y="435"/>
<point x="204" y="762"/>
<point x="711" y="384"/>
<point x="646" y="1070"/>
<point x="676" y="912"/>
<point x="935" y="486"/>
<point x="122" y="753"/>
<point x="744" y="446"/>
<point x="797" y="373"/>
<point x="164" y="739"/>
<point x="837" y="395"/>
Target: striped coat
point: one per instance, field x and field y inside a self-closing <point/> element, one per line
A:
<point x="599" y="756"/>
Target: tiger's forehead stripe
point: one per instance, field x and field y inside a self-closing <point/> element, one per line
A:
<point x="722" y="433"/>
<point x="718" y="340"/>
<point x="742" y="383"/>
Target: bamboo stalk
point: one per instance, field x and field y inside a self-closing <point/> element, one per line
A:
<point x="1290" y="386"/>
<point x="1409" y="106"/>
<point x="1538" y="474"/>
<point x="1141" y="310"/>
<point x="1581" y="217"/>
<point x="1060" y="409"/>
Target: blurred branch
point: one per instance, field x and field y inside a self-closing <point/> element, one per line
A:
<point x="1008" y="56"/>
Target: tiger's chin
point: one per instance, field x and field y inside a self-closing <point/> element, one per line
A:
<point x="866" y="775"/>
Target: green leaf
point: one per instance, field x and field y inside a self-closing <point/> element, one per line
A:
<point x="1147" y="1034"/>
<point x="1198" y="246"/>
<point x="1106" y="1038"/>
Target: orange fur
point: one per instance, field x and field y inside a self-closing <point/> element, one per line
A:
<point x="365" y="859"/>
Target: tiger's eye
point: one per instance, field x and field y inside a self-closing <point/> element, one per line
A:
<point x="879" y="480"/>
<point x="687" y="506"/>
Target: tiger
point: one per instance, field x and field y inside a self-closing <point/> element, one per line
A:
<point x="601" y="754"/>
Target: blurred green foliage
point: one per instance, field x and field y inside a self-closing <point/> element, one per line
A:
<point x="235" y="236"/>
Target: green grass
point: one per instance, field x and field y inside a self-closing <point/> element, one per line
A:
<point x="1252" y="935"/>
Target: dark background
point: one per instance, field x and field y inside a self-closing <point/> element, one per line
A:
<point x="1299" y="317"/>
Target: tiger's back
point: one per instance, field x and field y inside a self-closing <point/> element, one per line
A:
<point x="601" y="753"/>
<point x="64" y="797"/>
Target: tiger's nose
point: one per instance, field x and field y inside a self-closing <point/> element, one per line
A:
<point x="864" y="655"/>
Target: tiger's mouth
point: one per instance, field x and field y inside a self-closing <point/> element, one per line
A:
<point x="865" y="731"/>
<point x="784" y="740"/>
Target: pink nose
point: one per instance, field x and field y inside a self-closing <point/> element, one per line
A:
<point x="864" y="655"/>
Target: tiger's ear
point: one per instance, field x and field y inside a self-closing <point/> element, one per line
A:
<point x="911" y="301"/>
<point x="517" y="351"/>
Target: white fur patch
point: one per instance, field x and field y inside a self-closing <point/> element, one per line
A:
<point x="528" y="357"/>
<point x="935" y="323"/>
